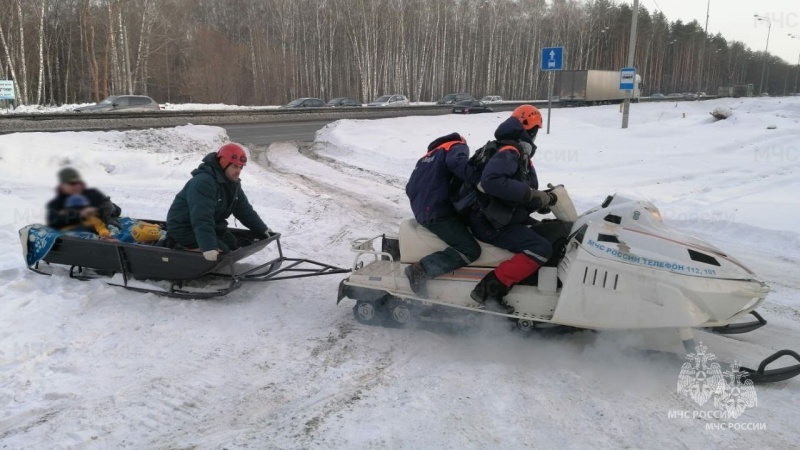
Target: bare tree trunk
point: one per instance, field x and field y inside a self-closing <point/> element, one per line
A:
<point x="9" y="62"/>
<point x="127" y="82"/>
<point x="111" y="52"/>
<point x="41" y="55"/>
<point x="23" y="62"/>
<point x="139" y="69"/>
<point x="88" y="26"/>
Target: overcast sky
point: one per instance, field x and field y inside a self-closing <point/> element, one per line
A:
<point x="734" y="20"/>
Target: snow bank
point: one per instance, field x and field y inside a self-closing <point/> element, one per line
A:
<point x="692" y="167"/>
<point x="43" y="109"/>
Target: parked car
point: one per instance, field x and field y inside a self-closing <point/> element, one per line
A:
<point x="764" y="94"/>
<point x="701" y="94"/>
<point x="342" y="102"/>
<point x="675" y="95"/>
<point x="390" y="100"/>
<point x="658" y="95"/>
<point x="305" y="102"/>
<point x="471" y="107"/>
<point x="122" y="103"/>
<point x="690" y="96"/>
<point x="492" y="99"/>
<point x="452" y="99"/>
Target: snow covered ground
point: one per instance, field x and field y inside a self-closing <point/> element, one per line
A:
<point x="85" y="365"/>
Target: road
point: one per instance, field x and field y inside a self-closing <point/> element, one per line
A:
<point x="268" y="133"/>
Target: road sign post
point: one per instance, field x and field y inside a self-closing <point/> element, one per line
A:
<point x="552" y="60"/>
<point x="626" y="105"/>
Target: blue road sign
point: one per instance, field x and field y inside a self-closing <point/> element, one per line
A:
<point x="627" y="78"/>
<point x="552" y="58"/>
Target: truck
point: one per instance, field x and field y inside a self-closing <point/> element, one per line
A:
<point x="593" y="87"/>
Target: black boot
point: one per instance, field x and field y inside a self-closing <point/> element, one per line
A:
<point x="418" y="279"/>
<point x="490" y="288"/>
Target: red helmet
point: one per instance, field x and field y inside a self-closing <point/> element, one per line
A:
<point x="231" y="153"/>
<point x="529" y="116"/>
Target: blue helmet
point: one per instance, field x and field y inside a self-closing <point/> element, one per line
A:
<point x="76" y="201"/>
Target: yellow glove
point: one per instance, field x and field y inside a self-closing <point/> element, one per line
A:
<point x="98" y="225"/>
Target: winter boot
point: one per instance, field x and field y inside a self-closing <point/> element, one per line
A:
<point x="418" y="279"/>
<point x="490" y="288"/>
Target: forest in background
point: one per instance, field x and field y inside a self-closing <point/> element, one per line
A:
<point x="261" y="52"/>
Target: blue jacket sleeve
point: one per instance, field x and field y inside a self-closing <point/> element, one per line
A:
<point x="457" y="161"/>
<point x="201" y="195"/>
<point x="248" y="216"/>
<point x="498" y="177"/>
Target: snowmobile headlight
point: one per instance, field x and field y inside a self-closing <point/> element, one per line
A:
<point x="655" y="213"/>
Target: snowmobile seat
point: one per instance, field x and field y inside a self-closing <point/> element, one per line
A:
<point x="417" y="242"/>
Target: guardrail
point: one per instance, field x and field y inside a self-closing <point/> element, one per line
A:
<point x="71" y="121"/>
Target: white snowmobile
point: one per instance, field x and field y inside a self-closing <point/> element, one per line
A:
<point x="615" y="267"/>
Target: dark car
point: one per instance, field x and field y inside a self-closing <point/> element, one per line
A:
<point x="452" y="99"/>
<point x="305" y="102"/>
<point x="341" y="102"/>
<point x="122" y="103"/>
<point x="471" y="107"/>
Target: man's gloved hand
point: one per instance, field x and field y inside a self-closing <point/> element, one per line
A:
<point x="211" y="255"/>
<point x="553" y="199"/>
<point x="541" y="197"/>
<point x="265" y="235"/>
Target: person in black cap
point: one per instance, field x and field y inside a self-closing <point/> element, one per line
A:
<point x="70" y="184"/>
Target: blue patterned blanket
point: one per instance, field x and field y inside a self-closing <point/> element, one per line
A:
<point x="37" y="239"/>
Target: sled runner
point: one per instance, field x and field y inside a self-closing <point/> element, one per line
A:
<point x="134" y="266"/>
<point x="616" y="267"/>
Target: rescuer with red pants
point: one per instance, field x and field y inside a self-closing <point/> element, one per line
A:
<point x="509" y="194"/>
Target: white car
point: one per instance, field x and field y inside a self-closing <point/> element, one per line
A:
<point x="390" y="100"/>
<point x="492" y="99"/>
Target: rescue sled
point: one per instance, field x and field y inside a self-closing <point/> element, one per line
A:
<point x="615" y="267"/>
<point x="136" y="267"/>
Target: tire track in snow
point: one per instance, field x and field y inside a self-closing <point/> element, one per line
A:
<point x="337" y="192"/>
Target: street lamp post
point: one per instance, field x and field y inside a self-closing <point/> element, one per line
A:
<point x="766" y="49"/>
<point x="797" y="75"/>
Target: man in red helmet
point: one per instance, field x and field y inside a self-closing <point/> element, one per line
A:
<point x="197" y="219"/>
<point x="509" y="193"/>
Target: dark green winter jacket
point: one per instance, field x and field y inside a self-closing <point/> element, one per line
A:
<point x="199" y="211"/>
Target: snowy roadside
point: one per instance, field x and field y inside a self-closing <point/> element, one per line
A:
<point x="84" y="365"/>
